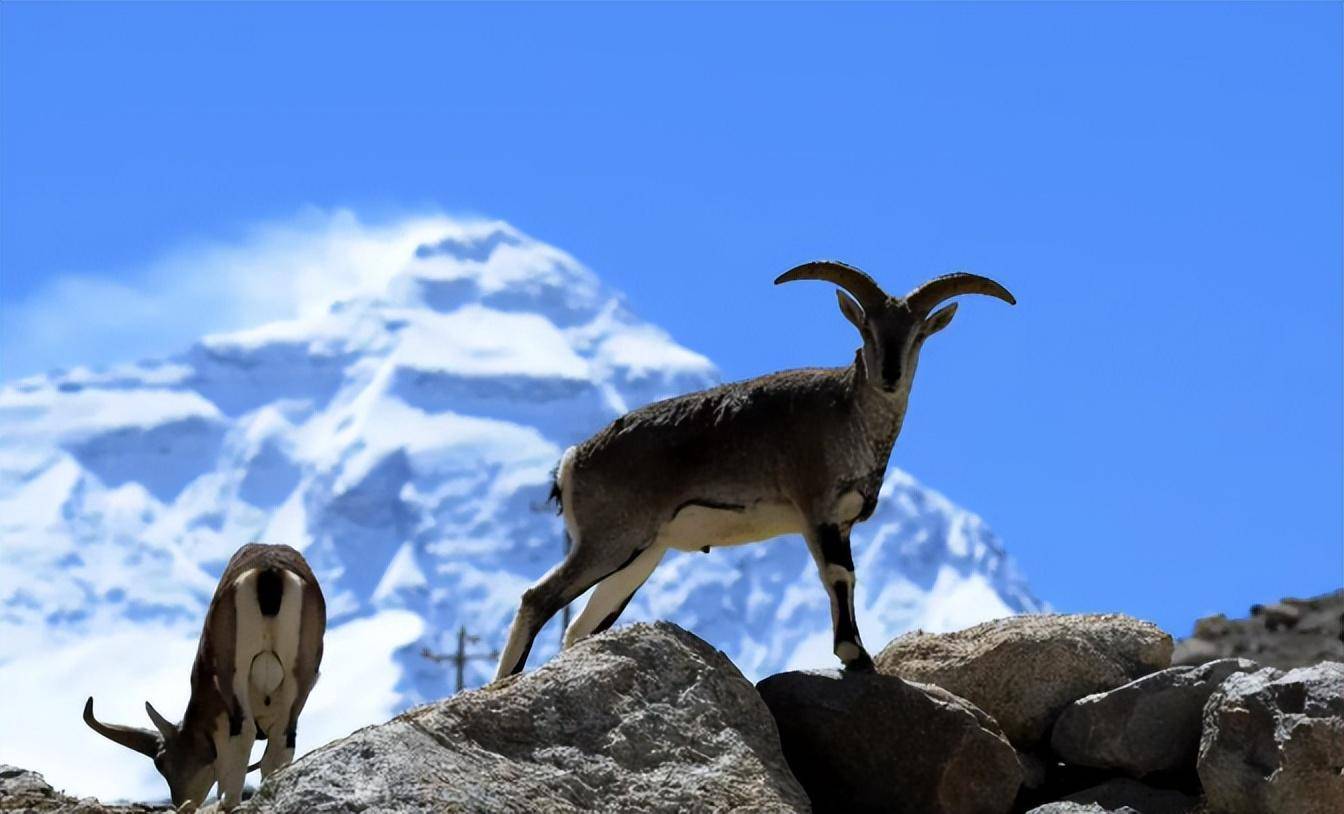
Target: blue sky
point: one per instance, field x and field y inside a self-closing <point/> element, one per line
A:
<point x="1155" y="429"/>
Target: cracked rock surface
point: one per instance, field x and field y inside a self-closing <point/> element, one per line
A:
<point x="642" y="718"/>
<point x="1274" y="742"/>
<point x="29" y="792"/>
<point x="1024" y="670"/>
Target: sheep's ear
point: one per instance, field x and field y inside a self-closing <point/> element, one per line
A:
<point x="850" y="309"/>
<point x="940" y="320"/>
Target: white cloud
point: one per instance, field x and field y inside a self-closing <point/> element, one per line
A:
<point x="277" y="271"/>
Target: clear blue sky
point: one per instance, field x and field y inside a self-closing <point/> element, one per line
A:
<point x="1155" y="429"/>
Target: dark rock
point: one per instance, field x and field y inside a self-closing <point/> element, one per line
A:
<point x="25" y="791"/>
<point x="1274" y="742"/>
<point x="1287" y="634"/>
<point x="1049" y="780"/>
<point x="642" y="718"/>
<point x="1024" y="670"/>
<point x="1146" y="726"/>
<point x="869" y="742"/>
<point x="1122" y="796"/>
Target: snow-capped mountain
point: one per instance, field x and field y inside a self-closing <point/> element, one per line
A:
<point x="403" y="439"/>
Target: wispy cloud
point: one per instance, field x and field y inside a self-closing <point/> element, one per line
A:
<point x="277" y="271"/>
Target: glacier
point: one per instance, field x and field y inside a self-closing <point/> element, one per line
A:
<point x="403" y="438"/>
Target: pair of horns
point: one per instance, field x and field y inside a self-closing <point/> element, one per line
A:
<point x="143" y="741"/>
<point x="873" y="299"/>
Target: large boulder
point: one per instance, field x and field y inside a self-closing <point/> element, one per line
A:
<point x="869" y="742"/>
<point x="29" y="792"/>
<point x="643" y="718"/>
<point x="1274" y="742"/>
<point x="1149" y="725"/>
<point x="1121" y="796"/>
<point x="1024" y="670"/>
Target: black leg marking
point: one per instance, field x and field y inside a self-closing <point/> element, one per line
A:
<point x="235" y="722"/>
<point x="261" y="736"/>
<point x="834" y="547"/>
<point x="289" y="736"/>
<point x="613" y="616"/>
<point x="845" y="630"/>
<point x="522" y="657"/>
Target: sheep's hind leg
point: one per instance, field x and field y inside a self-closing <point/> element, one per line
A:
<point x="613" y="594"/>
<point x="585" y="566"/>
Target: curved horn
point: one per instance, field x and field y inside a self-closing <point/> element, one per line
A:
<point x="164" y="726"/>
<point x="869" y="294"/>
<point x="923" y="299"/>
<point x="141" y="740"/>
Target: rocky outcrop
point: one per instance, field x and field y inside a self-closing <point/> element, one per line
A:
<point x="29" y="792"/>
<point x="868" y="742"/>
<point x="1274" y="742"/>
<point x="643" y="718"/>
<point x="1024" y="670"/>
<point x="1146" y="726"/>
<point x="650" y="718"/>
<point x="1286" y="634"/>
<point x="1121" y="796"/>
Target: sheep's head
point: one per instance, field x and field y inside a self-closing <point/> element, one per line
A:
<point x="186" y="760"/>
<point x="894" y="328"/>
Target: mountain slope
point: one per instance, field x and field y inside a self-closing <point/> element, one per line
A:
<point x="403" y="439"/>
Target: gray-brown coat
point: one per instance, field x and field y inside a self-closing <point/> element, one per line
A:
<point x="256" y="662"/>
<point x="802" y="451"/>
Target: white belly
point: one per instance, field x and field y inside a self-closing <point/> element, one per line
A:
<point x="695" y="527"/>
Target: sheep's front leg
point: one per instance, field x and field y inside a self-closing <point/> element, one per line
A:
<point x="279" y="751"/>
<point x="233" y="749"/>
<point x="829" y="545"/>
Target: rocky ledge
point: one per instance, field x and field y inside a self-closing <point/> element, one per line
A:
<point x="1285" y="634"/>
<point x="1049" y="714"/>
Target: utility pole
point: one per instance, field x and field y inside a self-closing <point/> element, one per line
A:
<point x="461" y="657"/>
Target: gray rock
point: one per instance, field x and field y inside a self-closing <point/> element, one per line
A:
<point x="869" y="742"/>
<point x="642" y="718"/>
<point x="1121" y="796"/>
<point x="1287" y="634"/>
<point x="1149" y="725"/>
<point x="1024" y="670"/>
<point x="1274" y="742"/>
<point x="25" y="791"/>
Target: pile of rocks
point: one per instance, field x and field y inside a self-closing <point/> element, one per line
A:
<point x="1101" y="723"/>
<point x="1286" y="634"/>
<point x="1063" y="713"/>
<point x="28" y="792"/>
<point x="1049" y="714"/>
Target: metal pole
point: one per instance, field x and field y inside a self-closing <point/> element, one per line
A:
<point x="461" y="659"/>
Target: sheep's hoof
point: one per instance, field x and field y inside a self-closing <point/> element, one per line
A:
<point x="857" y="662"/>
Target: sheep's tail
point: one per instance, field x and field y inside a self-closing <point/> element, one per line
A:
<point x="559" y="476"/>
